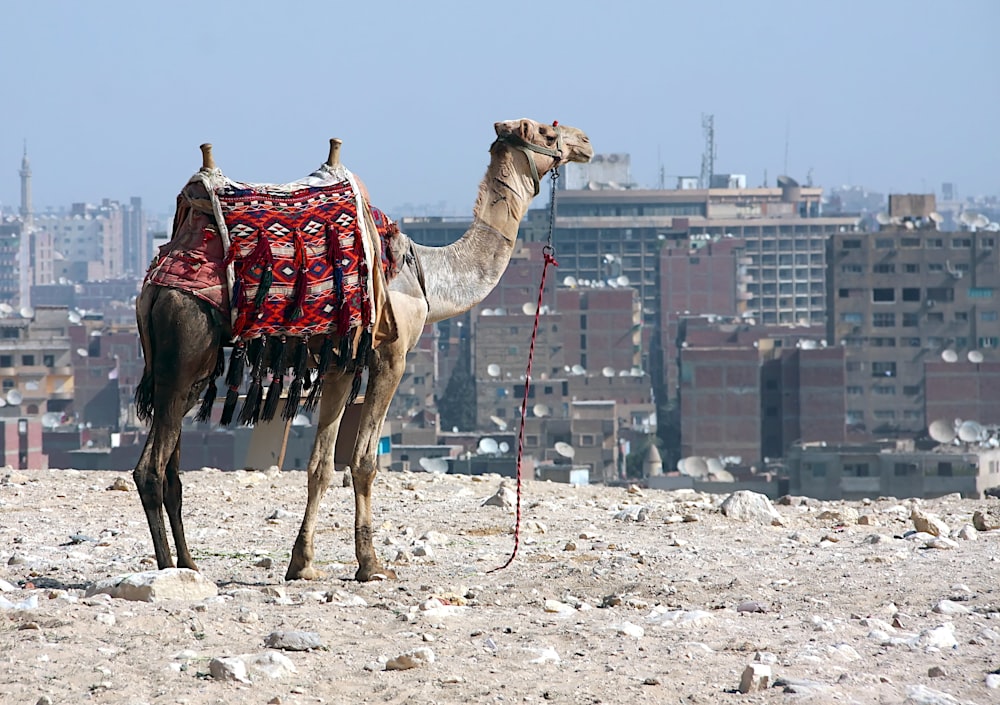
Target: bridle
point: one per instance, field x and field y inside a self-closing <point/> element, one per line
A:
<point x="518" y="142"/>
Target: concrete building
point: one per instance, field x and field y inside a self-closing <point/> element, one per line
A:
<point x="36" y="367"/>
<point x="85" y="244"/>
<point x="856" y="471"/>
<point x="901" y="298"/>
<point x="11" y="230"/>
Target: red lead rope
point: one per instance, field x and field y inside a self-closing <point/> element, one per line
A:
<point x="549" y="259"/>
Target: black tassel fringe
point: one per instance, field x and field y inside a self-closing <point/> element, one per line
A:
<point x="273" y="397"/>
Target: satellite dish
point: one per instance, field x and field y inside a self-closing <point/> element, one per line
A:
<point x="883" y="219"/>
<point x="636" y="372"/>
<point x="968" y="432"/>
<point x="6" y="309"/>
<point x="486" y="312"/>
<point x="488" y="445"/>
<point x="300" y="420"/>
<point x="693" y="466"/>
<point x="578" y="370"/>
<point x="50" y="419"/>
<point x="723" y="476"/>
<point x="540" y="410"/>
<point x="980" y="221"/>
<point x="75" y="317"/>
<point x="936" y="217"/>
<point x="569" y="280"/>
<point x="504" y="446"/>
<point x="27" y="312"/>
<point x="3" y="402"/>
<point x="82" y="352"/>
<point x="493" y="369"/>
<point x="436" y="465"/>
<point x="608" y="372"/>
<point x="949" y="356"/>
<point x="501" y="424"/>
<point x="715" y="466"/>
<point x="14" y="397"/>
<point x="975" y="356"/>
<point x="623" y="280"/>
<point x="564" y="449"/>
<point x="528" y="308"/>
<point x="967" y="218"/>
<point x="941" y="431"/>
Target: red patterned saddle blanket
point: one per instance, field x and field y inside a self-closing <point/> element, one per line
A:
<point x="290" y="264"/>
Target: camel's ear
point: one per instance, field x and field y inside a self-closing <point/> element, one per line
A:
<point x="524" y="129"/>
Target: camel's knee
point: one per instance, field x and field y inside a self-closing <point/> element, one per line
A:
<point x="363" y="473"/>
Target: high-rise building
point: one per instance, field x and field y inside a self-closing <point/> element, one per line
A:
<point x="901" y="298"/>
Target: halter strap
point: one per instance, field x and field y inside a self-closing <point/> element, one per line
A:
<point x="525" y="146"/>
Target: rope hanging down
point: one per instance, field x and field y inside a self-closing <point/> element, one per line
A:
<point x="549" y="255"/>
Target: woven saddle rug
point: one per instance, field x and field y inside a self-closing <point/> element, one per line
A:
<point x="302" y="267"/>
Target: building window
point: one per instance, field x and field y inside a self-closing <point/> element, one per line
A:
<point x="958" y="243"/>
<point x="855" y="390"/>
<point x="904" y="469"/>
<point x="884" y="390"/>
<point x="851" y="269"/>
<point x="935" y="317"/>
<point x="943" y="293"/>
<point x="884" y="269"/>
<point x="856" y="469"/>
<point x="944" y="469"/>
<point x="911" y="268"/>
<point x="911" y="342"/>
<point x="935" y="267"/>
<point x="884" y="414"/>
<point x="851" y="244"/>
<point x="883" y="320"/>
<point x="854" y="366"/>
<point x="855" y="317"/>
<point x="911" y="320"/>
<point x="910" y="242"/>
<point x="911" y="293"/>
<point x="6" y="360"/>
<point x="980" y="292"/>
<point x="911" y="390"/>
<point x="961" y="315"/>
<point x="28" y="360"/>
<point x="883" y="369"/>
<point x="989" y="341"/>
<point x="986" y="243"/>
<point x="984" y="316"/>
<point x="935" y="243"/>
<point x="882" y="342"/>
<point x="47" y="361"/>
<point x="817" y="469"/>
<point x="884" y="243"/>
<point x="883" y="295"/>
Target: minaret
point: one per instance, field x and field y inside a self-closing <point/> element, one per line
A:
<point x="25" y="174"/>
<point x="24" y="254"/>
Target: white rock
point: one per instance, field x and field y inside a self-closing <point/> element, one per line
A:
<point x="273" y="664"/>
<point x="228" y="669"/>
<point x="843" y="652"/>
<point x="966" y="533"/>
<point x="411" y="659"/>
<point x="745" y="505"/>
<point x="678" y="618"/>
<point x="993" y="681"/>
<point x="557" y="607"/>
<point x="156" y="586"/>
<point x="435" y="538"/>
<point x="941" y="542"/>
<point x="951" y="607"/>
<point x="632" y="513"/>
<point x="756" y="677"/>
<point x="6" y="587"/>
<point x="28" y="603"/>
<point x="546" y="655"/>
<point x="105" y="618"/>
<point x="938" y="638"/>
<point x="629" y="629"/>
<point x="922" y="695"/>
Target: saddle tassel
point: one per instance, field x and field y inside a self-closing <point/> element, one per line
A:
<point x="299" y="292"/>
<point x="295" y="388"/>
<point x="251" y="405"/>
<point x="325" y="354"/>
<point x="234" y="378"/>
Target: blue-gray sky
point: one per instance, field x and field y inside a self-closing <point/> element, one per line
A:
<point x="114" y="97"/>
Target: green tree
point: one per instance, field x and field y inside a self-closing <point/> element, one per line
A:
<point x="457" y="406"/>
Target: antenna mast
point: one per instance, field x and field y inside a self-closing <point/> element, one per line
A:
<point x="708" y="157"/>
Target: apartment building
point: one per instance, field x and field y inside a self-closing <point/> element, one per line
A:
<point x="900" y="299"/>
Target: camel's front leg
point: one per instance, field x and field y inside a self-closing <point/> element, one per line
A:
<point x="173" y="501"/>
<point x="336" y="388"/>
<point x="384" y="376"/>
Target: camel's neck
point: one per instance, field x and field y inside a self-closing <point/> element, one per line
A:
<point x="460" y="275"/>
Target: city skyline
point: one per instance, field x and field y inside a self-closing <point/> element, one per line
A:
<point x="895" y="99"/>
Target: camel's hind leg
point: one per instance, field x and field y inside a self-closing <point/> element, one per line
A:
<point x="388" y="365"/>
<point x="161" y="445"/>
<point x="336" y="388"/>
<point x="172" y="501"/>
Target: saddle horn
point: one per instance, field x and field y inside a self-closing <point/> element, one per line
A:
<point x="207" y="162"/>
<point x="334" y="158"/>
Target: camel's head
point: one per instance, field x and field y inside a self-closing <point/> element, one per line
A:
<point x="546" y="146"/>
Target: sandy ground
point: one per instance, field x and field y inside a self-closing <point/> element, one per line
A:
<point x="615" y="596"/>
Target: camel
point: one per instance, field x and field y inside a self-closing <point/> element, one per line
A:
<point x="181" y="334"/>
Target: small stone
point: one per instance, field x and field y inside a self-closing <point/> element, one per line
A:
<point x="987" y="519"/>
<point x="569" y="546"/>
<point x="651" y="681"/>
<point x="748" y="506"/>
<point x="120" y="485"/>
<point x="756" y="677"/>
<point x="993" y="681"/>
<point x="503" y="498"/>
<point x="411" y="659"/>
<point x="928" y="523"/>
<point x="966" y="533"/>
<point x="156" y="585"/>
<point x="867" y="520"/>
<point x="936" y="672"/>
<point x="629" y="629"/>
<point x="632" y="513"/>
<point x="940" y="542"/>
<point x="265" y="562"/>
<point x="951" y="607"/>
<point x="750" y="606"/>
<point x="228" y="669"/>
<point x="293" y="640"/>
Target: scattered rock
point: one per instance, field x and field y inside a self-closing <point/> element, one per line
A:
<point x="748" y="506"/>
<point x="987" y="519"/>
<point x="121" y="485"/>
<point x="928" y="523"/>
<point x="503" y="498"/>
<point x="228" y="669"/>
<point x="632" y="513"/>
<point x="756" y="677"/>
<point x="411" y="659"/>
<point x="293" y="640"/>
<point x="156" y="586"/>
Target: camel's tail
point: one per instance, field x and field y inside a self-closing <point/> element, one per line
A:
<point x="144" y="396"/>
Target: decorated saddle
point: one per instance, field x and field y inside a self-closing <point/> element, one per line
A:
<point x="298" y="269"/>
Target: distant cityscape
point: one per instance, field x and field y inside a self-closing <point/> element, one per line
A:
<point x="706" y="333"/>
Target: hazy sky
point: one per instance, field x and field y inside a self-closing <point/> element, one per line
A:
<point x="114" y="97"/>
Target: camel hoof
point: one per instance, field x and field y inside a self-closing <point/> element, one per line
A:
<point x="307" y="573"/>
<point x="379" y="573"/>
